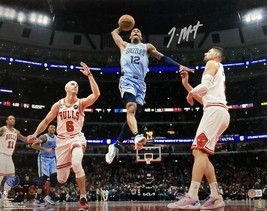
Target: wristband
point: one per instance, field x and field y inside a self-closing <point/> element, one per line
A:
<point x="167" y="60"/>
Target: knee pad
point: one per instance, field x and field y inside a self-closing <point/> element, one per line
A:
<point x="40" y="181"/>
<point x="53" y="180"/>
<point x="78" y="169"/>
<point x="201" y="141"/>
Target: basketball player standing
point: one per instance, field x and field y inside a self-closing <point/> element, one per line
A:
<point x="215" y="120"/>
<point x="46" y="145"/>
<point x="71" y="142"/>
<point x="8" y="139"/>
<point x="134" y="67"/>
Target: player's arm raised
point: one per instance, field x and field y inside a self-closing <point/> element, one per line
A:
<point x="117" y="39"/>
<point x="211" y="69"/>
<point x="184" y="75"/>
<point x="165" y="59"/>
<point x="49" y="118"/>
<point x="85" y="102"/>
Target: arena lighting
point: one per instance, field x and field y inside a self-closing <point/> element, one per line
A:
<point x="253" y="16"/>
<point x="7" y="13"/>
<point x="40" y="19"/>
<point x="6" y="90"/>
<point x="36" y="18"/>
<point x="21" y="17"/>
<point x="118" y="69"/>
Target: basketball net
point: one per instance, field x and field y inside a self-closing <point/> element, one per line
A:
<point x="148" y="160"/>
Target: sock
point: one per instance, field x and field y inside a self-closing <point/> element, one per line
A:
<point x="7" y="188"/>
<point x="117" y="144"/>
<point x="193" y="190"/>
<point x="125" y="133"/>
<point x="136" y="133"/>
<point x="214" y="189"/>
<point x="83" y="196"/>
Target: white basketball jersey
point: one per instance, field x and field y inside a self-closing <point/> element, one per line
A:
<point x="216" y="93"/>
<point x="8" y="141"/>
<point x="69" y="119"/>
<point x="134" y="60"/>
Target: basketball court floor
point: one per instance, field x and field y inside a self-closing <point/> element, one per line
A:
<point x="257" y="205"/>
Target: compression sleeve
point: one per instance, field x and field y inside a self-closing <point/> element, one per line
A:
<point x="167" y="60"/>
<point x="203" y="88"/>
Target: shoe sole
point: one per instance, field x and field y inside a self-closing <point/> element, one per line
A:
<point x="185" y="207"/>
<point x="107" y="160"/>
<point x="212" y="208"/>
<point x="83" y="209"/>
<point x="222" y="204"/>
<point x="48" y="202"/>
<point x="109" y="149"/>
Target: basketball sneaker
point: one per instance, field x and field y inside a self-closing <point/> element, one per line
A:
<point x="112" y="151"/>
<point x="185" y="202"/>
<point x="139" y="141"/>
<point x="48" y="200"/>
<point x="213" y="203"/>
<point x="83" y="204"/>
<point x="39" y="203"/>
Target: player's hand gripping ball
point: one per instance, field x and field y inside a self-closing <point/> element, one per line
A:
<point x="126" y="22"/>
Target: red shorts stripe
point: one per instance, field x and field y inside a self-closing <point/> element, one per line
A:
<point x="64" y="165"/>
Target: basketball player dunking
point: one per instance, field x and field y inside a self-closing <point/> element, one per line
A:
<point x="71" y="142"/>
<point x="134" y="67"/>
<point x="215" y="120"/>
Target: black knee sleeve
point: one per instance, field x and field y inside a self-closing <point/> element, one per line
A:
<point x="40" y="181"/>
<point x="53" y="180"/>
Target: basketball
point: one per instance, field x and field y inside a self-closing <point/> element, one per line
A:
<point x="126" y="22"/>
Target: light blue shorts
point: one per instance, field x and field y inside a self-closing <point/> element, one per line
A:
<point x="46" y="166"/>
<point x="134" y="86"/>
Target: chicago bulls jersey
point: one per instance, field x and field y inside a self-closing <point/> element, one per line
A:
<point x="216" y="93"/>
<point x="69" y="119"/>
<point x="8" y="141"/>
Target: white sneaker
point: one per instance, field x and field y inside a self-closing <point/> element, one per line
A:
<point x="185" y="202"/>
<point x="139" y="141"/>
<point x="48" y="199"/>
<point x="112" y="151"/>
<point x="38" y="203"/>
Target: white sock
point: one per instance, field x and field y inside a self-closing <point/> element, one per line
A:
<point x="214" y="189"/>
<point x="7" y="187"/>
<point x="193" y="190"/>
<point x="83" y="196"/>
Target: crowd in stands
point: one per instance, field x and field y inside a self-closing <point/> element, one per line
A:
<point x="126" y="179"/>
<point x="164" y="90"/>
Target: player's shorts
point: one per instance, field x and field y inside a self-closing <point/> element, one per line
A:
<point x="214" y="122"/>
<point x="64" y="149"/>
<point x="135" y="86"/>
<point x="46" y="166"/>
<point x="7" y="167"/>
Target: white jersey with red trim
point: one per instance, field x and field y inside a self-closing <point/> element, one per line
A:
<point x="8" y="141"/>
<point x="69" y="119"/>
<point x="216" y="93"/>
